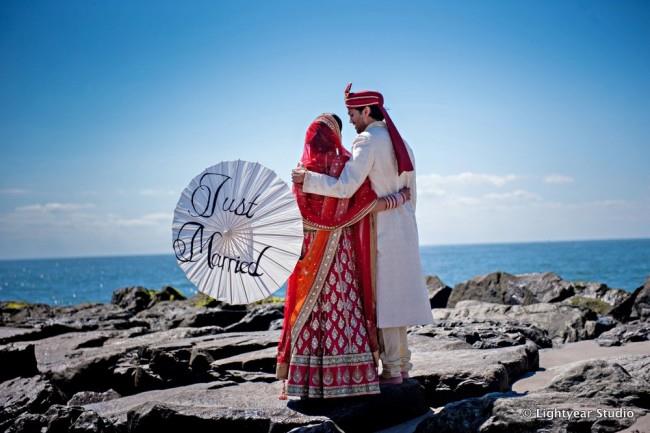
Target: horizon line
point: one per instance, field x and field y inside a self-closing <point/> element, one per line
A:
<point x="118" y="255"/>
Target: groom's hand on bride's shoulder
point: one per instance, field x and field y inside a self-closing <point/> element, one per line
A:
<point x="298" y="174"/>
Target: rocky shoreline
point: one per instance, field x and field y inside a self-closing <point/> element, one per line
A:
<point x="154" y="359"/>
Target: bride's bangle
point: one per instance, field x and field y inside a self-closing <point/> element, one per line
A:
<point x="395" y="200"/>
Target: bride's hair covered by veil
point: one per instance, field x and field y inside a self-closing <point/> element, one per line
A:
<point x="323" y="143"/>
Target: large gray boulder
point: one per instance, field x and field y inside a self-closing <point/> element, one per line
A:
<point x="135" y="298"/>
<point x="625" y="333"/>
<point x="438" y="291"/>
<point x="449" y="375"/>
<point x="59" y="418"/>
<point x="26" y="394"/>
<point x="563" y="323"/>
<point x="88" y="397"/>
<point x="485" y="334"/>
<point x="18" y="312"/>
<point x="165" y="315"/>
<point x="636" y="307"/>
<point x="599" y="291"/>
<point x="534" y="288"/>
<point x="601" y="396"/>
<point x="508" y="289"/>
<point x="17" y="360"/>
<point x="258" y="319"/>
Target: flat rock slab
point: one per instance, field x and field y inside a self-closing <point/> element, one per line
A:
<point x="255" y="407"/>
<point x="553" y="361"/>
<point x="74" y="350"/>
<point x="9" y="334"/>
<point x="260" y="360"/>
<point x="231" y="344"/>
<point x="99" y="360"/>
<point x="449" y="375"/>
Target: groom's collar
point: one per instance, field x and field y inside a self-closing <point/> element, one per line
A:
<point x="379" y="123"/>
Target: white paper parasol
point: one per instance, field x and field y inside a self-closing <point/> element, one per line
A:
<point x="237" y="232"/>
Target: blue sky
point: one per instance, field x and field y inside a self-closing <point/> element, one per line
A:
<point x="529" y="120"/>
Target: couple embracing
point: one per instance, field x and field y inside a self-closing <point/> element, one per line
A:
<point x="359" y="282"/>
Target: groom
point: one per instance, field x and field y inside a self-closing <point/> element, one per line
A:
<point x="378" y="152"/>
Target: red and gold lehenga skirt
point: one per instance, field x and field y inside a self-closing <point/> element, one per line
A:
<point x="329" y="342"/>
<point x="332" y="356"/>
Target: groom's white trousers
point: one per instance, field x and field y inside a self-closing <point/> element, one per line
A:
<point x="394" y="353"/>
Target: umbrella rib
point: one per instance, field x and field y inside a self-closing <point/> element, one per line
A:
<point x="274" y="191"/>
<point x="272" y="279"/>
<point x="250" y="178"/>
<point x="204" y="279"/>
<point x="273" y="210"/>
<point x="274" y="261"/>
<point x="243" y="285"/>
<point x="240" y="251"/>
<point x="219" y="285"/>
<point x="210" y="281"/>
<point x="271" y="259"/>
<point x="264" y="215"/>
<point x="281" y="235"/>
<point x="218" y="217"/>
<point x="277" y="248"/>
<point x="263" y="289"/>
<point x="239" y="244"/>
<point x="229" y="276"/>
<point x="276" y="222"/>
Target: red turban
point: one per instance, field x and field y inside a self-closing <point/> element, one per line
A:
<point x="368" y="97"/>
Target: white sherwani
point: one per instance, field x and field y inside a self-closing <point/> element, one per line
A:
<point x="402" y="297"/>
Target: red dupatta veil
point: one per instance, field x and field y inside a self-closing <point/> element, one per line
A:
<point x="327" y="216"/>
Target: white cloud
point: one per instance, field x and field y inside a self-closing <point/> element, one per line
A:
<point x="492" y="200"/>
<point x="158" y="192"/>
<point x="428" y="185"/>
<point x="472" y="189"/>
<point x="464" y="201"/>
<point x="558" y="179"/>
<point x="51" y="217"/>
<point x="466" y="178"/>
<point x="516" y="195"/>
<point x="54" y="207"/>
<point x="60" y="229"/>
<point x="438" y="185"/>
<point x="611" y="203"/>
<point x="151" y="219"/>
<point x="13" y="191"/>
<point x="523" y="216"/>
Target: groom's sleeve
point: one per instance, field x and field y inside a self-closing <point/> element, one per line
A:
<point x="413" y="183"/>
<point x="354" y="173"/>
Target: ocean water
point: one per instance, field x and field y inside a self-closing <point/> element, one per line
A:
<point x="618" y="263"/>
